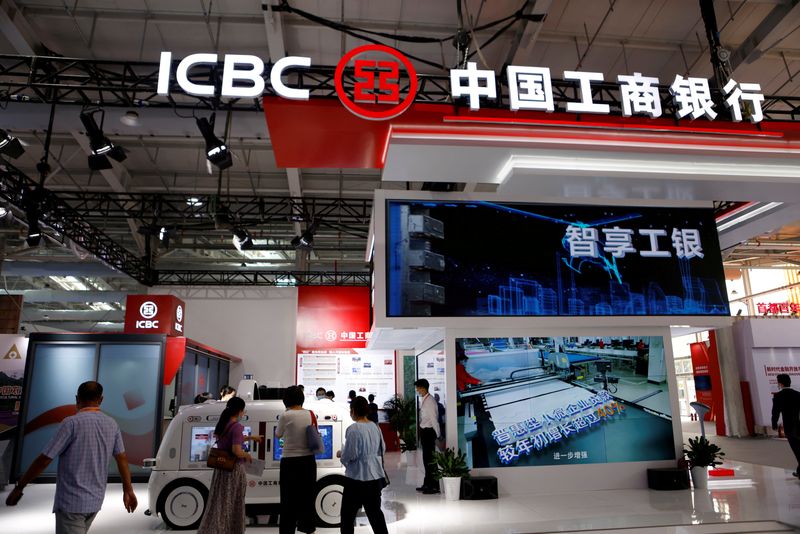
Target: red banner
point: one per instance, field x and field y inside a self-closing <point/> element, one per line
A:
<point x="154" y="314"/>
<point x="332" y="317"/>
<point x="707" y="380"/>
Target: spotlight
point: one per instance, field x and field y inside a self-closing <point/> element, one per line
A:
<point x="242" y="240"/>
<point x="4" y="212"/>
<point x="102" y="148"/>
<point x="32" y="200"/>
<point x="194" y="202"/>
<point x="10" y="145"/>
<point x="164" y="235"/>
<point x="131" y="118"/>
<point x="217" y="152"/>
<point x="305" y="241"/>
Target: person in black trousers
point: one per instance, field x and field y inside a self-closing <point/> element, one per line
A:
<point x="428" y="433"/>
<point x="786" y="404"/>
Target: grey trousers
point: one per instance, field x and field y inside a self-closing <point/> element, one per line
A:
<point x="67" y="523"/>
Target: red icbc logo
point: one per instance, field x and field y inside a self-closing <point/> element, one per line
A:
<point x="377" y="81"/>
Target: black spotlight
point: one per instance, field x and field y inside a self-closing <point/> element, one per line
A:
<point x="242" y="240"/>
<point x="217" y="151"/>
<point x="10" y="145"/>
<point x="305" y="241"/>
<point x="32" y="203"/>
<point x="102" y="148"/>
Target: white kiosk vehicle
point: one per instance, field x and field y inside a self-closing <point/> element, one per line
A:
<point x="179" y="481"/>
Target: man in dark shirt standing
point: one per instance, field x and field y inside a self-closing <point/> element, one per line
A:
<point x="786" y="404"/>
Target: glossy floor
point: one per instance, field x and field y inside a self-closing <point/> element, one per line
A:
<point x="757" y="499"/>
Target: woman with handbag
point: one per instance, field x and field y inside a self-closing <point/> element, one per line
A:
<point x="298" y="472"/>
<point x="225" y="506"/>
<point x="362" y="457"/>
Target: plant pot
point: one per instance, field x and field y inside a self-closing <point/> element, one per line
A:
<point x="452" y="488"/>
<point x="700" y="477"/>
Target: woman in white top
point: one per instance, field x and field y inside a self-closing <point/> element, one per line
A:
<point x="298" y="473"/>
<point x="362" y="457"/>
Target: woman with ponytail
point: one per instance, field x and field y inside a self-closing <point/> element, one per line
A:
<point x="225" y="506"/>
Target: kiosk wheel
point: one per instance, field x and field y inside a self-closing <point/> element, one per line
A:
<point x="328" y="501"/>
<point x="181" y="504"/>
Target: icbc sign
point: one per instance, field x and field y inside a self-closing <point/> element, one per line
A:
<point x="154" y="314"/>
<point x="376" y="91"/>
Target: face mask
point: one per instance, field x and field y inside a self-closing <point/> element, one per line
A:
<point x="320" y="397"/>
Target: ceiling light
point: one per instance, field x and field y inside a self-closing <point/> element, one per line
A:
<point x="4" y="211"/>
<point x="164" y="234"/>
<point x="305" y="241"/>
<point x="242" y="240"/>
<point x="102" y="148"/>
<point x="131" y="118"/>
<point x="10" y="145"/>
<point x="217" y="151"/>
<point x="195" y="202"/>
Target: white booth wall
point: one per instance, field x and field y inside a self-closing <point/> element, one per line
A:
<point x="765" y="348"/>
<point x="256" y="324"/>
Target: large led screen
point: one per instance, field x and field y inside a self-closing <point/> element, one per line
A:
<point x="457" y="259"/>
<point x="534" y="401"/>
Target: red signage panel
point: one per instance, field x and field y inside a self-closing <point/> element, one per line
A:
<point x="154" y="314"/>
<point x="332" y="317"/>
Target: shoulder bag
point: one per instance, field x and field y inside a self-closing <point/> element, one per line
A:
<point x="313" y="436"/>
<point x="220" y="458"/>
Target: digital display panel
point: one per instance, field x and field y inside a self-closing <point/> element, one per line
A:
<point x="203" y="439"/>
<point x="460" y="259"/>
<point x="533" y="401"/>
<point x="326" y="431"/>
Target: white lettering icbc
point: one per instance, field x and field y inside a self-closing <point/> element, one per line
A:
<point x="147" y="324"/>
<point x="182" y="75"/>
<point x="277" y="83"/>
<point x="253" y="75"/>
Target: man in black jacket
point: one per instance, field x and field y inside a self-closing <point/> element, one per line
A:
<point x="786" y="404"/>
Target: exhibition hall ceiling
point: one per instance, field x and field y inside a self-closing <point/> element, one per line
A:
<point x="166" y="152"/>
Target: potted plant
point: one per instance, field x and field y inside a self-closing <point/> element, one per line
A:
<point x="701" y="455"/>
<point x="451" y="467"/>
<point x="402" y="414"/>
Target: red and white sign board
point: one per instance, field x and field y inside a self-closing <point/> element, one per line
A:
<point x="155" y="314"/>
<point x="332" y="317"/>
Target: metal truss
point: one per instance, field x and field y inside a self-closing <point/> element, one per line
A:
<point x="262" y="278"/>
<point x="64" y="220"/>
<point x="72" y="216"/>
<point x="134" y="84"/>
<point x="246" y="210"/>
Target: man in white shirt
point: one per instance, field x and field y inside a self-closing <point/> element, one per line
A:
<point x="429" y="431"/>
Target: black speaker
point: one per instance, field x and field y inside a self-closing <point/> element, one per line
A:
<point x="478" y="488"/>
<point x="668" y="478"/>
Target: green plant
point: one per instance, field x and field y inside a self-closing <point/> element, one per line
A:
<point x="450" y="463"/>
<point x="703" y="453"/>
<point x="402" y="414"/>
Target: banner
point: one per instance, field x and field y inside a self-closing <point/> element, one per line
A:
<point x="13" y="350"/>
<point x="768" y="364"/>
<point x="532" y="401"/>
<point x="457" y="259"/>
<point x="701" y="368"/>
<point x="363" y="371"/>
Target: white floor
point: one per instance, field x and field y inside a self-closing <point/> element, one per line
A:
<point x="757" y="499"/>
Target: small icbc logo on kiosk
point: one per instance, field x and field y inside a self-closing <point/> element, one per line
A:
<point x="148" y="310"/>
<point x="380" y="74"/>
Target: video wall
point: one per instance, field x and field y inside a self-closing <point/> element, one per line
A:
<point x="533" y="401"/>
<point x="130" y="373"/>
<point x="458" y="259"/>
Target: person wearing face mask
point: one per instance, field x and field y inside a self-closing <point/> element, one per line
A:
<point x="320" y="394"/>
<point x="428" y="434"/>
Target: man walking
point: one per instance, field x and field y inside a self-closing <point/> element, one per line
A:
<point x="83" y="444"/>
<point x="429" y="432"/>
<point x="786" y="404"/>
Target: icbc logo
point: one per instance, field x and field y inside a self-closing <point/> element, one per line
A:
<point x="377" y="81"/>
<point x="148" y="310"/>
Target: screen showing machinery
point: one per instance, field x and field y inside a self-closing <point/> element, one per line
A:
<point x="478" y="258"/>
<point x="533" y="401"/>
<point x="203" y="439"/>
<point x="326" y="431"/>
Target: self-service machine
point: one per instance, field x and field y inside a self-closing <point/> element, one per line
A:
<point x="180" y="480"/>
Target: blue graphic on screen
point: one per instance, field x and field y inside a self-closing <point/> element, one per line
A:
<point x="460" y="259"/>
<point x="326" y="431"/>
